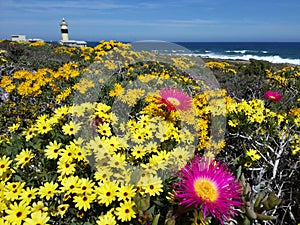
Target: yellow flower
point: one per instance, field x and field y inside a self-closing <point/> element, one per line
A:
<point x="24" y="157"/>
<point x="68" y="154"/>
<point x="104" y="129"/>
<point x="70" y="184"/>
<point x="71" y="128"/>
<point x="118" y="91"/>
<point x="85" y="185"/>
<point x="28" y="194"/>
<point x="151" y="185"/>
<point x="43" y="127"/>
<point x="7" y="84"/>
<point x="180" y="156"/>
<point x="247" y="164"/>
<point x="83" y="85"/>
<point x="252" y="153"/>
<point x="131" y="96"/>
<point x="125" y="212"/>
<point x="48" y="190"/>
<point x="103" y="174"/>
<point x="4" y="164"/>
<point x="39" y="206"/>
<point x="160" y="160"/>
<point x="126" y="192"/>
<point x="17" y="213"/>
<point x="29" y="133"/>
<point x="233" y="123"/>
<point x="7" y="175"/>
<point x="63" y="95"/>
<point x="138" y="151"/>
<point x="13" y="190"/>
<point x="84" y="201"/>
<point x="61" y="112"/>
<point x="52" y="150"/>
<point x="107" y="219"/>
<point x="37" y="218"/>
<point x="62" y="209"/>
<point x="65" y="167"/>
<point x="14" y="127"/>
<point x="106" y="192"/>
<point x="117" y="161"/>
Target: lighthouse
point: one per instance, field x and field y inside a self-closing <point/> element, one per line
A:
<point x="65" y="37"/>
<point x="64" y="30"/>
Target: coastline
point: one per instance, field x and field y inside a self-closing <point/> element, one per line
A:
<point x="246" y="62"/>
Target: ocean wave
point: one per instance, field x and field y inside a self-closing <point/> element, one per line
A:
<point x="272" y="59"/>
<point x="237" y="51"/>
<point x="245" y="51"/>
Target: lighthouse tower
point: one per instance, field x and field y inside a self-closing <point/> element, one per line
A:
<point x="64" y="30"/>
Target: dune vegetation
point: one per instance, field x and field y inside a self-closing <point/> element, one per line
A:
<point x="106" y="135"/>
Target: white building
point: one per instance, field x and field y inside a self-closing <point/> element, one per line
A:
<point x="22" y="38"/>
<point x="18" y="37"/>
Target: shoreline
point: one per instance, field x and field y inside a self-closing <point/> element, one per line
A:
<point x="245" y="62"/>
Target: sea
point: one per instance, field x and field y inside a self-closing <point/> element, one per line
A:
<point x="275" y="52"/>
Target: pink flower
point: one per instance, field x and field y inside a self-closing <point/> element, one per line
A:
<point x="175" y="99"/>
<point x="273" y="96"/>
<point x="208" y="184"/>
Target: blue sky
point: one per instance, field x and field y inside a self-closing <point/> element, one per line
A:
<point x="169" y="20"/>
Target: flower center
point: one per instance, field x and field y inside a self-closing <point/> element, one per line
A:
<point x="206" y="189"/>
<point x="272" y="97"/>
<point x="173" y="101"/>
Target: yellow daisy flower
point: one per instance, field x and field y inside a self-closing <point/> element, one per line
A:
<point x="37" y="218"/>
<point x="14" y="127"/>
<point x="138" y="151"/>
<point x="28" y="194"/>
<point x="125" y="192"/>
<point x="71" y="128"/>
<point x="125" y="212"/>
<point x="13" y="190"/>
<point x="39" y="206"/>
<point x="65" y="167"/>
<point x="107" y="219"/>
<point x="61" y="112"/>
<point x="70" y="184"/>
<point x="84" y="201"/>
<point x="29" y="133"/>
<point x="151" y="185"/>
<point x="62" y="209"/>
<point x="48" y="190"/>
<point x="104" y="129"/>
<point x="52" y="150"/>
<point x="85" y="185"/>
<point x="43" y="127"/>
<point x="17" y="213"/>
<point x="106" y="192"/>
<point x="4" y="164"/>
<point x="24" y="157"/>
<point x="252" y="153"/>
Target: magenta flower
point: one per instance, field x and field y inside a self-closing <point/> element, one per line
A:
<point x="273" y="96"/>
<point x="208" y="184"/>
<point x="175" y="99"/>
